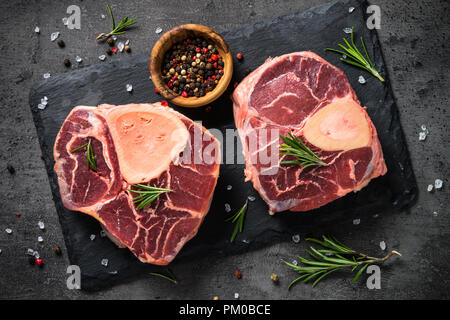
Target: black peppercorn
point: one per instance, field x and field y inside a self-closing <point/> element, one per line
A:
<point x="11" y="169"/>
<point x="67" y="62"/>
<point x="110" y="41"/>
<point x="57" y="250"/>
<point x="61" y="43"/>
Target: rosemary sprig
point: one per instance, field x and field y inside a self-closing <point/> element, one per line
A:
<point x="170" y="276"/>
<point x="335" y="256"/>
<point x="356" y="58"/>
<point x="293" y="146"/>
<point x="147" y="194"/>
<point x="116" y="30"/>
<point x="90" y="158"/>
<point x="238" y="219"/>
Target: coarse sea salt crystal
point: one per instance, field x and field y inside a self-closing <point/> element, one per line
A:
<point x="158" y="30"/>
<point x="40" y="239"/>
<point x="229" y="187"/>
<point x="46" y="75"/>
<point x="423" y="127"/>
<point x="78" y="59"/>
<point x="104" y="262"/>
<point x="294" y="262"/>
<point x="296" y="238"/>
<point x="114" y="38"/>
<point x="383" y="245"/>
<point x="129" y="87"/>
<point x="92" y="237"/>
<point x="351" y="9"/>
<point x="430" y="188"/>
<point x="422" y="136"/>
<point x="41" y="225"/>
<point x="246" y="241"/>
<point x="41" y="106"/>
<point x="65" y="21"/>
<point x="30" y="252"/>
<point x="251" y="198"/>
<point x="54" y="36"/>
<point x="347" y="30"/>
<point x="8" y="230"/>
<point x="0" y="251"/>
<point x="356" y="221"/>
<point x="227" y="207"/>
<point x="36" y="255"/>
<point x="103" y="16"/>
<point x="435" y="214"/>
<point x="236" y="295"/>
<point x="127" y="42"/>
<point x="438" y="184"/>
<point x="102" y="57"/>
<point x="120" y="46"/>
<point x="37" y="30"/>
<point x="361" y="80"/>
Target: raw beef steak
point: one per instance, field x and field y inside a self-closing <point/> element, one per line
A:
<point x="142" y="144"/>
<point x="303" y="94"/>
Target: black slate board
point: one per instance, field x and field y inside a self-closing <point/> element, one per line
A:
<point x="314" y="29"/>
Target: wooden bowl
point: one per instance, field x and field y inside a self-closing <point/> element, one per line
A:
<point x="176" y="35"/>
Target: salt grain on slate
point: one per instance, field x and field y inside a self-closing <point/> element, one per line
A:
<point x="102" y="57"/>
<point x="435" y="213"/>
<point x="103" y="16"/>
<point x="41" y="225"/>
<point x="383" y="245"/>
<point x="158" y="30"/>
<point x="65" y="21"/>
<point x="129" y="87"/>
<point x="127" y="42"/>
<point x="236" y="295"/>
<point x="92" y="237"/>
<point x="104" y="262"/>
<point x="229" y="187"/>
<point x="296" y="238"/>
<point x="227" y="207"/>
<point x="438" y="184"/>
<point x="8" y="230"/>
<point x="251" y="198"/>
<point x="40" y="239"/>
<point x="30" y="252"/>
<point x="422" y="136"/>
<point x="46" y="75"/>
<point x="0" y="251"/>
<point x="78" y="59"/>
<point x="351" y="9"/>
<point x="356" y="221"/>
<point x="430" y="188"/>
<point x="54" y="36"/>
<point x="361" y="80"/>
<point x="347" y="30"/>
<point x="294" y="262"/>
<point x="37" y="30"/>
<point x="120" y="46"/>
<point x="114" y="38"/>
<point x="36" y="254"/>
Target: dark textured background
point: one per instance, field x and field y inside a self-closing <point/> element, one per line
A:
<point x="420" y="81"/>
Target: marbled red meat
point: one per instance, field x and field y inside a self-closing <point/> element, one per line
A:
<point x="156" y="233"/>
<point x="303" y="94"/>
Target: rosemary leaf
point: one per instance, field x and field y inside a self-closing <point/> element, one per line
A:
<point x="116" y="30"/>
<point x="169" y="277"/>
<point x="238" y="220"/>
<point x="336" y="256"/>
<point x="354" y="57"/>
<point x="293" y="146"/>
<point x="147" y="194"/>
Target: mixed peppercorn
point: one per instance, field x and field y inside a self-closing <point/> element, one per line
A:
<point x="192" y="67"/>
